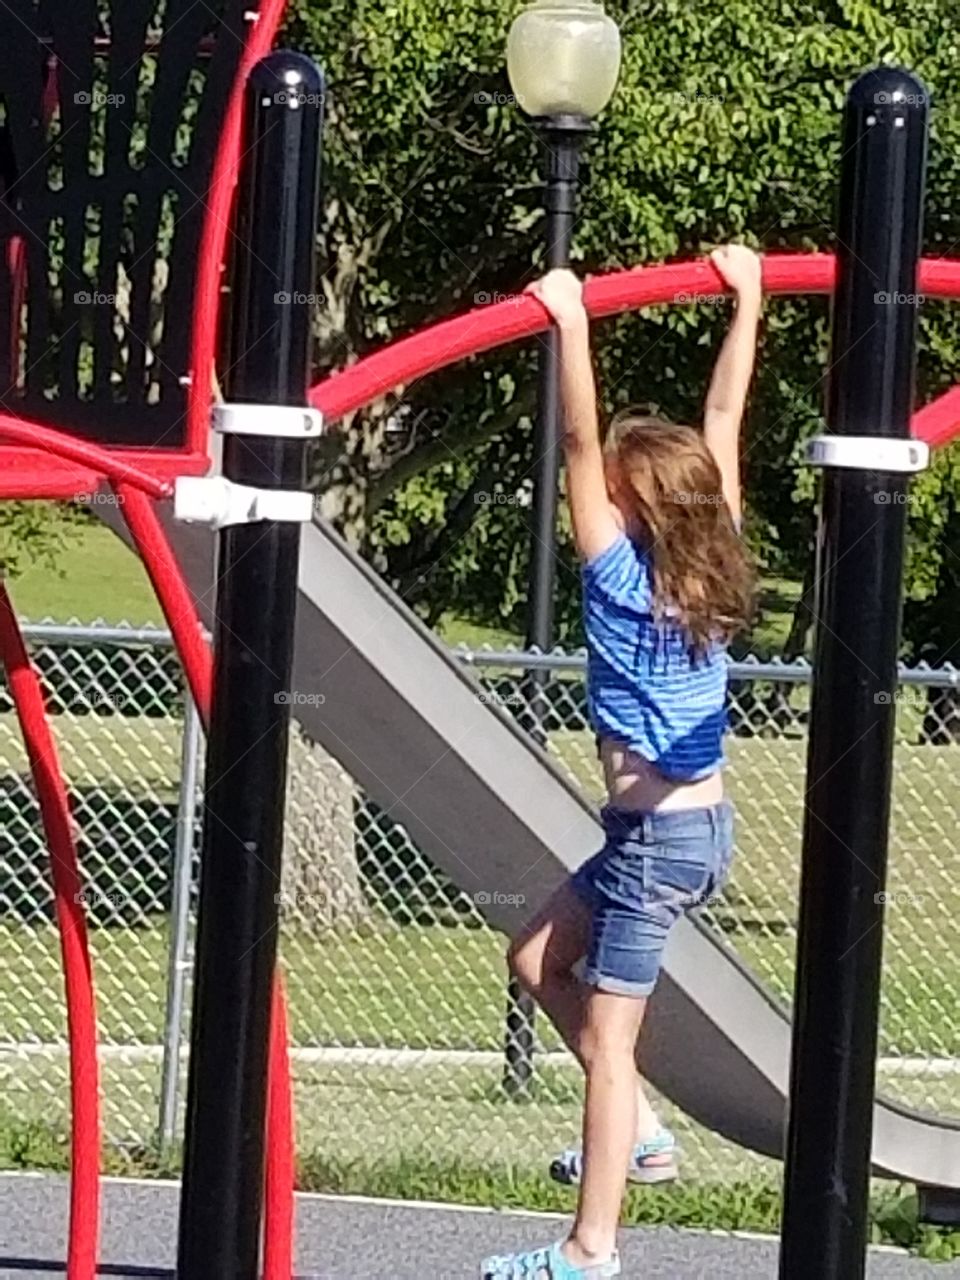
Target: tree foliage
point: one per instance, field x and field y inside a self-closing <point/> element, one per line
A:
<point x="34" y="533"/>
<point x="725" y="125"/>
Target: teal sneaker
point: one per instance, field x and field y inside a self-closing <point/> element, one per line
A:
<point x="568" y="1167"/>
<point x="545" y="1264"/>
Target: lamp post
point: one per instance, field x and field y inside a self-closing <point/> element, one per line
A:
<point x="563" y="59"/>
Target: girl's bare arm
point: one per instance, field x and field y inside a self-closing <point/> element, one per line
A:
<point x="594" y="524"/>
<point x="727" y="397"/>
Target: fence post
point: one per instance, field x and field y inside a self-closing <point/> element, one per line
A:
<point x="178" y="963"/>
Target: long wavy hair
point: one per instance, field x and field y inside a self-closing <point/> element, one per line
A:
<point x="669" y="483"/>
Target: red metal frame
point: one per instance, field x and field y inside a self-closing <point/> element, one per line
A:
<point x="34" y="473"/>
<point x="38" y="462"/>
<point x="27" y="472"/>
<point x="411" y="358"/>
<point x="27" y="693"/>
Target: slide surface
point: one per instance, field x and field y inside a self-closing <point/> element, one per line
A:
<point x="407" y="721"/>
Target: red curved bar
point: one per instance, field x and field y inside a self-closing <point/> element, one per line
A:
<point x="939" y="422"/>
<point x="35" y="474"/>
<point x="216" y="228"/>
<point x="99" y="461"/>
<point x="278" y="1212"/>
<point x="522" y="317"/>
<point x="484" y="328"/>
<point x="176" y="601"/>
<point x="54" y="804"/>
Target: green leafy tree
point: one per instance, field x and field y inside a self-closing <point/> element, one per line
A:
<point x="34" y="533"/>
<point x="725" y="125"/>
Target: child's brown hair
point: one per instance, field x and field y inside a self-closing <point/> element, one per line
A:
<point x="703" y="576"/>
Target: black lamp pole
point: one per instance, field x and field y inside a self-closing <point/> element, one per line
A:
<point x="860" y="577"/>
<point x="562" y="137"/>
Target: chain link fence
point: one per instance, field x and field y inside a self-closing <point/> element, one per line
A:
<point x="397" y="988"/>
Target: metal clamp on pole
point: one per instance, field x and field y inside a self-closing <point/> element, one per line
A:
<point x="220" y="503"/>
<point x="280" y="421"/>
<point x="869" y="453"/>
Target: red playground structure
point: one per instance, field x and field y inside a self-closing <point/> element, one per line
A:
<point x="122" y="393"/>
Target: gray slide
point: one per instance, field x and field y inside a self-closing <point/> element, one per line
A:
<point x="487" y="806"/>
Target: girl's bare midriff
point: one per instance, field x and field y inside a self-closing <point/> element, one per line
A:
<point x="634" y="783"/>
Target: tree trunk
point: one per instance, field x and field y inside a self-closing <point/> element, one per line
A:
<point x="796" y="641"/>
<point x="321" y="879"/>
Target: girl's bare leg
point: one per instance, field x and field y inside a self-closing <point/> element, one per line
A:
<point x="608" y="1044"/>
<point x="542" y="958"/>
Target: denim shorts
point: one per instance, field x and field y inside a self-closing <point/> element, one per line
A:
<point x="652" y="869"/>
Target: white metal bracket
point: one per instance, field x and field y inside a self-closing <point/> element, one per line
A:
<point x="869" y="453"/>
<point x="291" y="422"/>
<point x="219" y="503"/>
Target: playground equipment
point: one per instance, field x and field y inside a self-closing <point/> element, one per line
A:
<point x="868" y="456"/>
<point x="91" y="179"/>
<point x="489" y="807"/>
<point x="258" y="507"/>
<point x="479" y="797"/>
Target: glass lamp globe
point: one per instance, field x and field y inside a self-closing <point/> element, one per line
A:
<point x="563" y="58"/>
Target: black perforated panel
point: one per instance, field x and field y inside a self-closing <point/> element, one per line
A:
<point x="110" y="118"/>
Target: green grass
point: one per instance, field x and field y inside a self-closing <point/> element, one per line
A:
<point x="458" y="632"/>
<point x="379" y="985"/>
<point x="361" y="1114"/>
<point x="378" y="1129"/>
<point x="776" y="601"/>
<point x="384" y="985"/>
<point x="138" y="754"/>
<point x="98" y="578"/>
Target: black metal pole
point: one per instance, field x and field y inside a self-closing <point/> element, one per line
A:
<point x="863" y="526"/>
<point x="562" y="137"/>
<point x="221" y="1202"/>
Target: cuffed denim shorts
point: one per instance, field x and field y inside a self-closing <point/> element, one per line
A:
<point x="652" y="869"/>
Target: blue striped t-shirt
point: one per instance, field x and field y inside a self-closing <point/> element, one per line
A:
<point x="648" y="689"/>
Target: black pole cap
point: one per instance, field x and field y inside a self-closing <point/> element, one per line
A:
<point x="882" y="88"/>
<point x="286" y="72"/>
<point x="272" y="301"/>
<point x="879" y="231"/>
